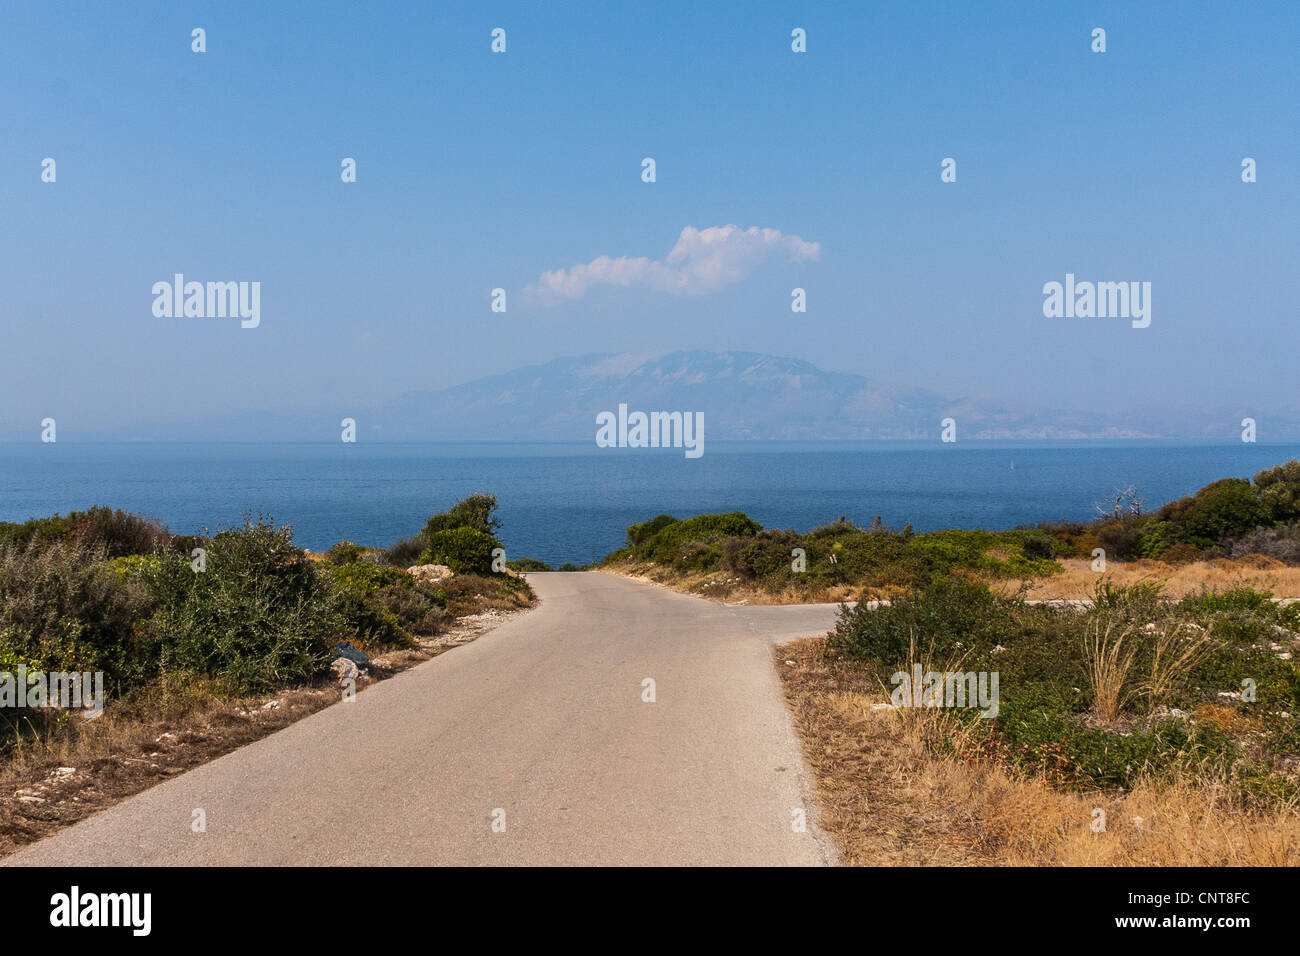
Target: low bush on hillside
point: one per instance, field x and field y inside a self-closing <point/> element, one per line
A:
<point x="404" y="553"/>
<point x="464" y="550"/>
<point x="104" y="590"/>
<point x="346" y="552"/>
<point x="477" y="512"/>
<point x="475" y="593"/>
<point x="1231" y="516"/>
<point x="116" y="532"/>
<point x="1281" y="542"/>
<point x="177" y="630"/>
<point x="385" y="606"/>
<point x="528" y="564"/>
<point x="64" y="607"/>
<point x="261" y="615"/>
<point x="833" y="555"/>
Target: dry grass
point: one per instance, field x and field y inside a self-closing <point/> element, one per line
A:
<point x="1109" y="657"/>
<point x="1078" y="581"/>
<point x="1176" y="652"/>
<point x="886" y="801"/>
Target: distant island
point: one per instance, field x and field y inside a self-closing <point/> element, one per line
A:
<point x="743" y="396"/>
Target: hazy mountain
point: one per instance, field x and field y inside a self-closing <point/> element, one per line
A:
<point x="743" y="395"/>
<point x="747" y="395"/>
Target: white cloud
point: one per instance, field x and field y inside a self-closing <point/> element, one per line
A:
<point x="701" y="261"/>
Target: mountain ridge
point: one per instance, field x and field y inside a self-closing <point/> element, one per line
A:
<point x="744" y="396"/>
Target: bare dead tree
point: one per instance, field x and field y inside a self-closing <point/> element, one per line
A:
<point x="1126" y="498"/>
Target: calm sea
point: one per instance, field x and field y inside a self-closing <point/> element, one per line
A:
<point x="573" y="502"/>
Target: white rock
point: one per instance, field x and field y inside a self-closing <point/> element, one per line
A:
<point x="345" y="669"/>
<point x="432" y="573"/>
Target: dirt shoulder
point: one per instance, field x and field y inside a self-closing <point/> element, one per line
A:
<point x="1077" y="581"/>
<point x="51" y="785"/>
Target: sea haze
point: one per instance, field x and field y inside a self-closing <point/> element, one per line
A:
<point x="573" y="503"/>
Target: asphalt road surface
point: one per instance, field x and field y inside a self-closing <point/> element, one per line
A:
<point x="531" y="745"/>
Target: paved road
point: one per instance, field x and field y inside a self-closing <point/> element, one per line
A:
<point x="541" y="718"/>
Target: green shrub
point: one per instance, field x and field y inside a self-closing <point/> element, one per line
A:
<point x="1220" y="510"/>
<point x="528" y="564"/>
<point x="664" y="544"/>
<point x="370" y="577"/>
<point x="117" y="532"/>
<point x="1207" y="602"/>
<point x="1155" y="538"/>
<point x="476" y="512"/>
<point x="933" y="621"/>
<point x="62" y="604"/>
<point x="14" y="653"/>
<point x="259" y="617"/>
<point x="345" y="552"/>
<point x="419" y="610"/>
<point x="370" y="624"/>
<point x="837" y="553"/>
<point x="133" y="565"/>
<point x="464" y="550"/>
<point x="1036" y="546"/>
<point x="1055" y="744"/>
<point x="639" y="534"/>
<point x="1120" y="539"/>
<point x="405" y="553"/>
<point x="377" y="603"/>
<point x="762" y="557"/>
<point x="1279" y="491"/>
<point x="1141" y="602"/>
<point x="1045" y="723"/>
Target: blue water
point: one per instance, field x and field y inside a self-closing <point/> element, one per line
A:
<point x="573" y="502"/>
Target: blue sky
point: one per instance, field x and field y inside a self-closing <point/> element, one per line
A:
<point x="478" y="170"/>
